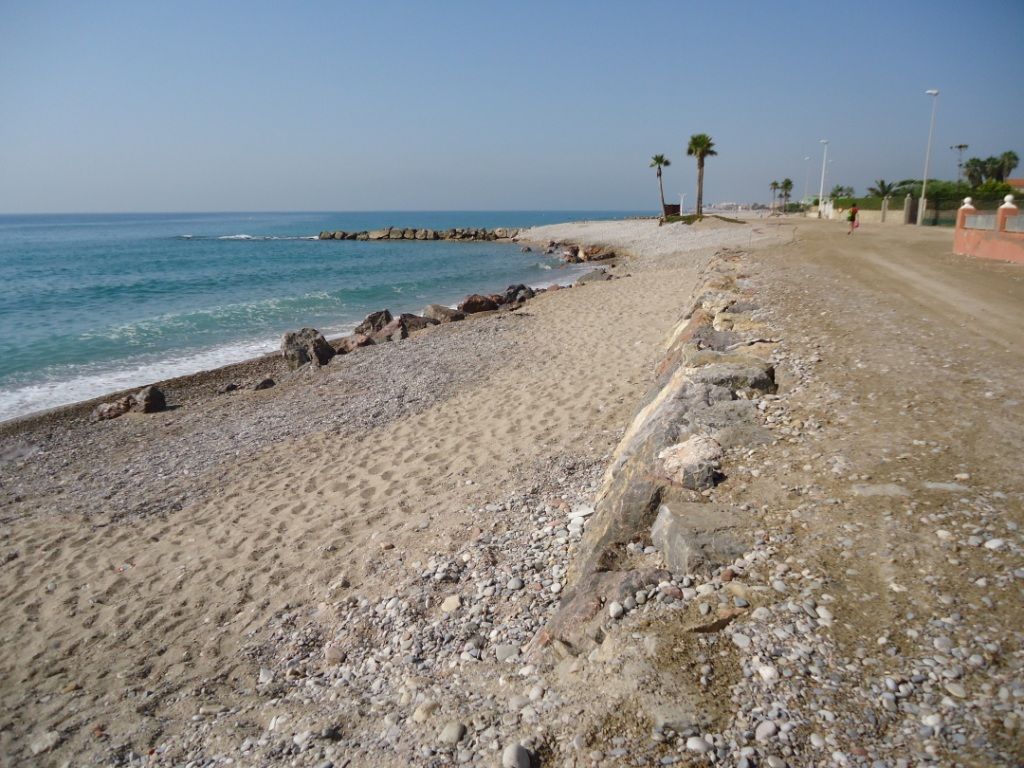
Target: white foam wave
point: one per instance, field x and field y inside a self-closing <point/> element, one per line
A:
<point x="236" y="237"/>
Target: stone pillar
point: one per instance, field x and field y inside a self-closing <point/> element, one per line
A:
<point x="965" y="210"/>
<point x="1006" y="210"/>
<point x="906" y="208"/>
<point x="885" y="207"/>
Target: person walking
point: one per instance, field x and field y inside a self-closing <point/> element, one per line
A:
<point x="852" y="218"/>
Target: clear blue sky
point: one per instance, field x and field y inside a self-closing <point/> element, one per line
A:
<point x="211" y="106"/>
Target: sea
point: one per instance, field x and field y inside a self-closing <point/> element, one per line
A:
<point x="96" y="303"/>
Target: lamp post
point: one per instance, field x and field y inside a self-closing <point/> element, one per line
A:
<point x="821" y="189"/>
<point x="682" y="203"/>
<point x="922" y="205"/>
<point x="807" y="176"/>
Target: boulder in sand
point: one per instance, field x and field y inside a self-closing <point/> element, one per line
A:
<point x="149" y="400"/>
<point x="443" y="314"/>
<point x="105" y="411"/>
<point x="350" y="344"/>
<point x="306" y="346"/>
<point x="374" y="322"/>
<point x="517" y="294"/>
<point x="476" y="303"/>
<point x="594" y="276"/>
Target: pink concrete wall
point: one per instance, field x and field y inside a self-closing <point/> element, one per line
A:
<point x="987" y="243"/>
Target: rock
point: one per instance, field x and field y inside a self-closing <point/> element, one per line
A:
<point x="741" y="641"/>
<point x="264" y="384"/>
<point x="515" y="584"/>
<point x="230" y="387"/>
<point x="571" y="256"/>
<point x="765" y="730"/>
<point x="692" y="536"/>
<point x="615" y="610"/>
<point x="149" y="400"/>
<point x="378" y="234"/>
<point x="452" y="733"/>
<point x="477" y="303"/>
<point x="306" y="347"/>
<point x="349" y="344"/>
<point x="515" y="756"/>
<point x="693" y="463"/>
<point x="506" y="652"/>
<point x="698" y="745"/>
<point x="451" y="604"/>
<point x="44" y="742"/>
<point x="395" y="234"/>
<point x="516" y="294"/>
<point x="415" y="323"/>
<point x="408" y="234"/>
<point x="374" y="322"/>
<point x="443" y="314"/>
<point x="526" y="249"/>
<point x="105" y="411"/>
<point x="334" y="653"/>
<point x="424" y="711"/>
<point x="594" y="276"/>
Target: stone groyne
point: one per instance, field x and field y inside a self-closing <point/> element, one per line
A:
<point x="400" y="233"/>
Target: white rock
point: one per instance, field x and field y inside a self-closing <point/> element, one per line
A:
<point x="451" y="604"/>
<point x="44" y="742"/>
<point x="994" y="544"/>
<point x="452" y="733"/>
<point x="515" y="756"/>
<point x="765" y="730"/>
<point x="698" y="745"/>
<point x="615" y="610"/>
<point x="740" y="640"/>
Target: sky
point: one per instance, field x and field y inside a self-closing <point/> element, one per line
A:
<point x="326" y="106"/>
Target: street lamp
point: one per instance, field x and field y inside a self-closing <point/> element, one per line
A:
<point x="821" y="189"/>
<point x="807" y="176"/>
<point x="922" y="205"/>
<point x="682" y="202"/>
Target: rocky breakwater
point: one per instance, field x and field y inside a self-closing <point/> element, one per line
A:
<point x="406" y="233"/>
<point x="703" y="403"/>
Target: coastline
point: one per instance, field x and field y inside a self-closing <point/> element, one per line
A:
<point x="390" y="561"/>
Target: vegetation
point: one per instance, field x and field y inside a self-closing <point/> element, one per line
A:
<point x="787" y="189"/>
<point x="659" y="162"/>
<point x="774" y="187"/>
<point x="690" y="218"/>
<point x="996" y="169"/>
<point x="882" y="188"/>
<point x="840" y="191"/>
<point x="701" y="146"/>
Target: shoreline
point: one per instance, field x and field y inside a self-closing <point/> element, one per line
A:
<point x="249" y="366"/>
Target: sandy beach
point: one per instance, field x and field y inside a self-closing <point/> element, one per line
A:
<point x="352" y="568"/>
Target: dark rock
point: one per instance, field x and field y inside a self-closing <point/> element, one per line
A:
<point x="306" y="346"/>
<point x="517" y="294"/>
<point x="595" y="253"/>
<point x="442" y="313"/>
<point x="477" y="303"/>
<point x="325" y="235"/>
<point x="374" y="322"/>
<point x="396" y="330"/>
<point x="415" y="323"/>
<point x="264" y="384"/>
<point x="120" y="407"/>
<point x="231" y="387"/>
<point x="526" y="249"/>
<point x="149" y="400"/>
<point x="571" y="255"/>
<point x="350" y="344"/>
<point x="340" y="235"/>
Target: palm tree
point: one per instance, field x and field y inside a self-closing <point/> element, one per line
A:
<point x="993" y="168"/>
<point x="1009" y="161"/>
<point x="786" y="186"/>
<point x="882" y="188"/>
<point x="974" y="170"/>
<point x="700" y="146"/>
<point x="659" y="162"/>
<point x="774" y="187"/>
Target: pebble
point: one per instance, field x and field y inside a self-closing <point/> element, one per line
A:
<point x="765" y="730"/>
<point x="615" y="610"/>
<point x="451" y="604"/>
<point x="740" y="640"/>
<point x="515" y="584"/>
<point x="698" y="745"/>
<point x="515" y="756"/>
<point x="452" y="733"/>
<point x="44" y="742"/>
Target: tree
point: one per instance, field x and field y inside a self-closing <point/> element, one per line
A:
<point x="660" y="161"/>
<point x="1009" y="161"/>
<point x="974" y="170"/>
<point x="774" y="187"/>
<point x="993" y="169"/>
<point x="701" y="146"/>
<point x="787" y="188"/>
<point x="882" y="188"/>
<point x="840" y="191"/>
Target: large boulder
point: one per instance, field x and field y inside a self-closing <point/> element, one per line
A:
<point x="517" y="294"/>
<point x="476" y="303"/>
<point x="415" y="323"/>
<point x="350" y="344"/>
<point x="692" y="463"/>
<point x="119" y="407"/>
<point x="373" y="322"/>
<point x="443" y="314"/>
<point x="396" y="330"/>
<point x="694" y="536"/>
<point x="149" y="400"/>
<point x="306" y="346"/>
<point x="378" y="234"/>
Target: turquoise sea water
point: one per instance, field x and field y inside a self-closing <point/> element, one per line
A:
<point x="91" y="304"/>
